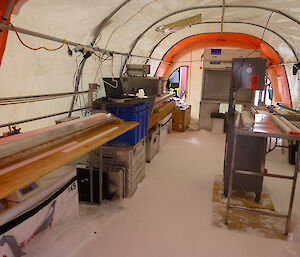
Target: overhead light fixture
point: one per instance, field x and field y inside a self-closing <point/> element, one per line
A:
<point x="180" y="24"/>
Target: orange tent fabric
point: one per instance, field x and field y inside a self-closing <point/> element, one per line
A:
<point x="276" y="74"/>
<point x="3" y="37"/>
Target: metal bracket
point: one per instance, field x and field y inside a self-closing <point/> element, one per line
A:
<point x="13" y="245"/>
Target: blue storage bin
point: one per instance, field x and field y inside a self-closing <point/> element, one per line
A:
<point x="138" y="113"/>
<point x="144" y="114"/>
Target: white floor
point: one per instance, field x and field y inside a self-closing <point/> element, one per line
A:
<point x="170" y="214"/>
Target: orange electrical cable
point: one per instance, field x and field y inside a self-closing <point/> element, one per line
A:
<point x="38" y="48"/>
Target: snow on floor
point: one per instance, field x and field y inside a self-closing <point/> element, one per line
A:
<point x="170" y="214"/>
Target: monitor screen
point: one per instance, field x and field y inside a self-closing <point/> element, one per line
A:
<point x="113" y="87"/>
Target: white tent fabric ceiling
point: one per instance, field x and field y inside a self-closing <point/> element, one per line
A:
<point x="131" y="29"/>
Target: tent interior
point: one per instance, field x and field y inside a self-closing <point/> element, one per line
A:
<point x="59" y="46"/>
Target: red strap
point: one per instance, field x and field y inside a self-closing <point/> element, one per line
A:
<point x="253" y="83"/>
<point x="294" y="133"/>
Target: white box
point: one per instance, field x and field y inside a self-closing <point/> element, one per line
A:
<point x="55" y="202"/>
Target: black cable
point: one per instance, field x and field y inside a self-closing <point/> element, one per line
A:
<point x="243" y="61"/>
<point x="75" y="77"/>
<point x="272" y="149"/>
<point x="262" y="37"/>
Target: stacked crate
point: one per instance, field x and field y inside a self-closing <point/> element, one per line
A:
<point x="152" y="143"/>
<point x="131" y="158"/>
<point x="131" y="109"/>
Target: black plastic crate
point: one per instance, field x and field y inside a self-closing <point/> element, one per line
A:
<point x="83" y="176"/>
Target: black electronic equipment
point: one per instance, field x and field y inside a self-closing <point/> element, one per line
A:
<point x="113" y="87"/>
<point x="249" y="73"/>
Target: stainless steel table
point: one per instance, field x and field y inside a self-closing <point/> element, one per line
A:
<point x="263" y="127"/>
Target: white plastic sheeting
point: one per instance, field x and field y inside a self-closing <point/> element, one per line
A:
<point x="66" y="239"/>
<point x="24" y="72"/>
<point x="171" y="211"/>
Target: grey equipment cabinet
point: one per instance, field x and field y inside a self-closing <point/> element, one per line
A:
<point x="152" y="143"/>
<point x="132" y="158"/>
<point x="250" y="156"/>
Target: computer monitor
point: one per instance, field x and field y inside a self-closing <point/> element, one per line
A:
<point x="113" y="87"/>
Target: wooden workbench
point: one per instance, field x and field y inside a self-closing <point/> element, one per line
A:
<point x="159" y="114"/>
<point x="88" y="141"/>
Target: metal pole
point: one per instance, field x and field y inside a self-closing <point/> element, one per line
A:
<point x="106" y="20"/>
<point x="92" y="88"/>
<point x="230" y="149"/>
<point x="281" y="64"/>
<point x="231" y="177"/>
<point x="293" y="191"/>
<point x="96" y="35"/>
<point x="222" y="19"/>
<point x="77" y="82"/>
<point x="100" y="175"/>
<point x="33" y="98"/>
<point x="272" y="214"/>
<point x="91" y="171"/>
<point x="262" y="174"/>
<point x="37" y="34"/>
<point x="89" y="48"/>
<point x="229" y="138"/>
<point x="39" y="118"/>
<point x="246" y="23"/>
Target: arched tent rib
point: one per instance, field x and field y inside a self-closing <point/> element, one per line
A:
<point x="134" y="43"/>
<point x="237" y="22"/>
<point x="120" y="6"/>
<point x="105" y="21"/>
<point x="281" y="86"/>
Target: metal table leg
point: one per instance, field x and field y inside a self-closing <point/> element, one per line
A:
<point x="100" y="175"/>
<point x="293" y="191"/>
<point x="91" y="177"/>
<point x="231" y="177"/>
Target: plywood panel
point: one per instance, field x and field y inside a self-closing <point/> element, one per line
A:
<point x="162" y="112"/>
<point x="22" y="176"/>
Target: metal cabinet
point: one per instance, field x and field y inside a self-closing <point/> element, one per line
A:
<point x="249" y="156"/>
<point x="152" y="143"/>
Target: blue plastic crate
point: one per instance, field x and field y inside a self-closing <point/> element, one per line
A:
<point x="138" y="113"/>
<point x="144" y="117"/>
